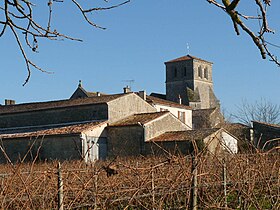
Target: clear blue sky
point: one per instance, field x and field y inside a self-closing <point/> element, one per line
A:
<point x="139" y="38"/>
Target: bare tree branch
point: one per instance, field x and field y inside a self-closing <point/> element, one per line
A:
<point x="17" y="15"/>
<point x="262" y="110"/>
<point x="258" y="37"/>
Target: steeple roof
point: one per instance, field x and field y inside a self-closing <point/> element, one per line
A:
<point x="186" y="58"/>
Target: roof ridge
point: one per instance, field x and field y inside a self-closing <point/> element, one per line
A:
<point x="186" y="57"/>
<point x="24" y="107"/>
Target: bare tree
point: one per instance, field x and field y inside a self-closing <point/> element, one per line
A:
<point x="17" y="15"/>
<point x="238" y="19"/>
<point x="262" y="110"/>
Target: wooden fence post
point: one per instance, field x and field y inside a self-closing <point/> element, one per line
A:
<point x="96" y="190"/>
<point x="60" y="187"/>
<point x="153" y="188"/>
<point x="193" y="200"/>
<point x="225" y="182"/>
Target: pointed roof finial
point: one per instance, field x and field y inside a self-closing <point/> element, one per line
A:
<point x="80" y="83"/>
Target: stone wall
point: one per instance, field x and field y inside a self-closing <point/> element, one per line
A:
<point x="162" y="125"/>
<point x="127" y="105"/>
<point x="194" y="74"/>
<point x="125" y="141"/>
<point x="52" y="148"/>
<point x="171" y="147"/>
<point x="202" y="83"/>
<point x="174" y="110"/>
<point x="177" y="85"/>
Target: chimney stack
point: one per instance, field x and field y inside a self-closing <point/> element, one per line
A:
<point x="179" y="99"/>
<point x="98" y="94"/>
<point x="126" y="89"/>
<point x="142" y="94"/>
<point x="10" y="102"/>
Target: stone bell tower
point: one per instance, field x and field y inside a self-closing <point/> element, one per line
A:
<point x="190" y="78"/>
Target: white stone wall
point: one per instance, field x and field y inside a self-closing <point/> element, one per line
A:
<point x="94" y="143"/>
<point x="230" y="143"/>
<point x="165" y="123"/>
<point x="174" y="111"/>
<point x="127" y="105"/>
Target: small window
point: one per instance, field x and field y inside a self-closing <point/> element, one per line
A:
<point x="182" y="116"/>
<point x="175" y="72"/>
<point x="206" y="73"/>
<point x="185" y="71"/>
<point x="200" y="72"/>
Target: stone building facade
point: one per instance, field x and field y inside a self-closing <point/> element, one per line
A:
<point x="190" y="79"/>
<point x="108" y="107"/>
<point x="135" y="131"/>
<point x="215" y="140"/>
<point x="94" y="125"/>
<point x="68" y="129"/>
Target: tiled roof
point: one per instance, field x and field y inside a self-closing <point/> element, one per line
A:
<point x="233" y="126"/>
<point x="185" y="58"/>
<point x="267" y="124"/>
<point x="45" y="131"/>
<point x="93" y="94"/>
<point x="159" y="95"/>
<point x="155" y="100"/>
<point x="184" y="135"/>
<point x="57" y="104"/>
<point x="203" y="112"/>
<point x="138" y="118"/>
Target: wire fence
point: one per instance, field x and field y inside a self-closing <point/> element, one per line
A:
<point x="173" y="182"/>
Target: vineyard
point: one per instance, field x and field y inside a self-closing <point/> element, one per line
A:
<point x="171" y="182"/>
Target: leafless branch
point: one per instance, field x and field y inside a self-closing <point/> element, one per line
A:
<point x="17" y="16"/>
<point x="262" y="110"/>
<point x="258" y="37"/>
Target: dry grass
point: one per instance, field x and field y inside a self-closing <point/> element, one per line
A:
<point x="145" y="183"/>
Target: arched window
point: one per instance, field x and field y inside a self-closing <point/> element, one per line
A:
<point x="206" y="73"/>
<point x="200" y="72"/>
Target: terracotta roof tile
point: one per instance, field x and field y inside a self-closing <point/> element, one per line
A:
<point x="26" y="107"/>
<point x="184" y="135"/>
<point x="152" y="99"/>
<point x="45" y="131"/>
<point x="185" y="58"/>
<point x="138" y="118"/>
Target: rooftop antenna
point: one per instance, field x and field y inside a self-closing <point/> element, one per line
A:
<point x="129" y="82"/>
<point x="188" y="48"/>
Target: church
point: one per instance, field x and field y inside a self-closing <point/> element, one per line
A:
<point x="95" y="125"/>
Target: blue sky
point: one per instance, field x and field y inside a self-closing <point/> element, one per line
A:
<point x="139" y="38"/>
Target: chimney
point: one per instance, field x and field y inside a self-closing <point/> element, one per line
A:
<point x="142" y="94"/>
<point x="126" y="89"/>
<point x="9" y="102"/>
<point x="98" y="94"/>
<point x="179" y="99"/>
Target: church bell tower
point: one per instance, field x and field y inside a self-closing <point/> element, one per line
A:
<point x="190" y="79"/>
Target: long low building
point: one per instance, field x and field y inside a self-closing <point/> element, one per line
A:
<point x="93" y="126"/>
